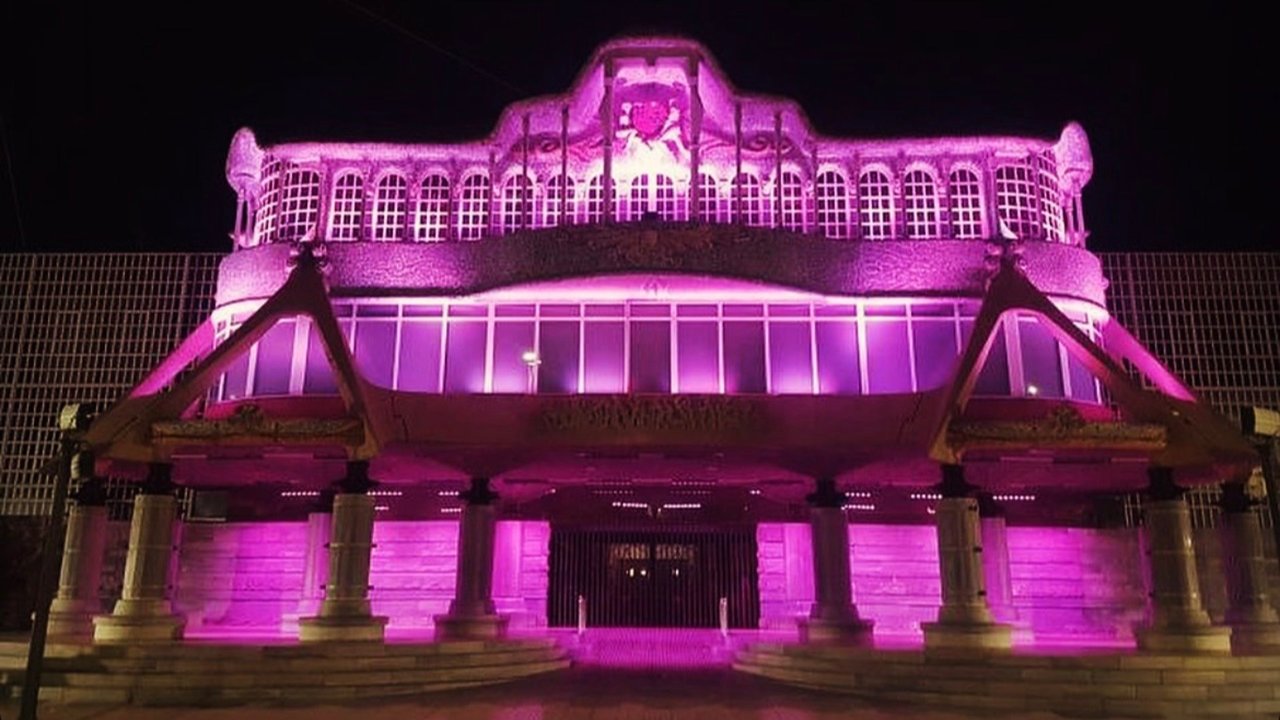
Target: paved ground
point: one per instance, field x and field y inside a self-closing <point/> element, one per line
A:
<point x="577" y="694"/>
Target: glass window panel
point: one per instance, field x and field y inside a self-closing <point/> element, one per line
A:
<point x="464" y="357"/>
<point x="468" y="310"/>
<point x="319" y="378"/>
<point x="650" y="310"/>
<point x="789" y="310"/>
<point x="420" y="356"/>
<point x="513" y="310"/>
<point x="423" y="310"/>
<point x="511" y="340"/>
<point x="1041" y="365"/>
<point x="233" y="382"/>
<point x="838" y="372"/>
<point x="650" y="370"/>
<point x="888" y="360"/>
<point x="1083" y="386"/>
<point x="376" y="351"/>
<point x="698" y="350"/>
<point x="558" y="351"/>
<point x="886" y="310"/>
<point x="790" y="360"/>
<point x="603" y="311"/>
<point x="376" y="311"/>
<point x="935" y="348"/>
<point x="744" y="357"/>
<point x="275" y="360"/>
<point x="605" y="351"/>
<point x="836" y="310"/>
<point x="560" y="311"/>
<point x="993" y="380"/>
<point x="743" y="310"/>
<point x="696" y="311"/>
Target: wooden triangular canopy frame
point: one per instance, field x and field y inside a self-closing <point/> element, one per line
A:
<point x="123" y="431"/>
<point x="1197" y="434"/>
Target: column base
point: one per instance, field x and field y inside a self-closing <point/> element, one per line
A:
<point x="967" y="636"/>
<point x="851" y="631"/>
<point x="1255" y="638"/>
<point x="1206" y="638"/>
<point x="72" y="619"/>
<point x="360" y="628"/>
<point x="471" y="627"/>
<point x="135" y="629"/>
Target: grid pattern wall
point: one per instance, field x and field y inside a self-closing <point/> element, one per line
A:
<point x="1214" y="320"/>
<point x="83" y="328"/>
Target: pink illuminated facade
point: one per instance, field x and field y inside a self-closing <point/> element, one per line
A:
<point x="654" y="345"/>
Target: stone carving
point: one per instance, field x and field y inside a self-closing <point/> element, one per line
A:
<point x="640" y="414"/>
<point x="653" y="246"/>
<point x="249" y="423"/>
<point x="1063" y="426"/>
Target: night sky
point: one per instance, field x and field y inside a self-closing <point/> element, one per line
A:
<point x="117" y="121"/>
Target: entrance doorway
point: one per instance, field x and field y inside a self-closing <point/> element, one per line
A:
<point x="653" y="577"/>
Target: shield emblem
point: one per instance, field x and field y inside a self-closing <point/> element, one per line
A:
<point x="648" y="118"/>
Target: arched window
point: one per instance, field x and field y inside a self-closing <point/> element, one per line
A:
<point x="832" y="196"/>
<point x="1050" y="195"/>
<point x="347" y="207"/>
<point x="754" y="206"/>
<point x="965" y="194"/>
<point x="666" y="202"/>
<point x="265" y="219"/>
<point x="639" y="200"/>
<point x="1017" y="200"/>
<point x="389" y="206"/>
<point x="920" y="204"/>
<point x="432" y="222"/>
<point x="712" y="205"/>
<point x="792" y="196"/>
<point x="473" y="208"/>
<point x="593" y="205"/>
<point x="875" y="205"/>
<point x="517" y="197"/>
<point x="559" y="202"/>
<point x="299" y="203"/>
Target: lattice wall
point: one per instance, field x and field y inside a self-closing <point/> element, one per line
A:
<point x="76" y="328"/>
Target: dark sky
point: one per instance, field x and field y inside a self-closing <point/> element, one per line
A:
<point x="117" y="121"/>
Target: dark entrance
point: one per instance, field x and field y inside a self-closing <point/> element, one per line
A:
<point x="654" y="578"/>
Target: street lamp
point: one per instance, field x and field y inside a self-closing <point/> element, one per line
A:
<point x="1263" y="427"/>
<point x="73" y="421"/>
<point x="531" y="361"/>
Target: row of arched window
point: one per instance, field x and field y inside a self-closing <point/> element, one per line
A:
<point x="1028" y="204"/>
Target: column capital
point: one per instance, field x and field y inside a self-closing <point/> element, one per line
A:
<point x="479" y="493"/>
<point x="356" y="481"/>
<point x="1235" y="498"/>
<point x="1160" y="484"/>
<point x="159" y="480"/>
<point x="953" y="483"/>
<point x="91" y="493"/>
<point x="825" y="494"/>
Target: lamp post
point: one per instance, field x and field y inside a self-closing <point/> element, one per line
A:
<point x="72" y="422"/>
<point x="531" y="362"/>
<point x="1263" y="427"/>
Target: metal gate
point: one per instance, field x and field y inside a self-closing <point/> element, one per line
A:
<point x="653" y="577"/>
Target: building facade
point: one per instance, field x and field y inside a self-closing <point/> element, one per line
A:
<point x="657" y="353"/>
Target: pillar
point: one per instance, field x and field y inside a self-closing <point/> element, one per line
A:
<point x="994" y="537"/>
<point x="344" y="613"/>
<point x="1254" y="624"/>
<point x="1177" y="620"/>
<point x="79" y="582"/>
<point x="964" y="618"/>
<point x="471" y="613"/>
<point x="143" y="613"/>
<point x="833" y="616"/>
<point x="315" y="568"/>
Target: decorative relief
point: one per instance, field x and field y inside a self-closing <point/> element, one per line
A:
<point x="651" y="246"/>
<point x="657" y="413"/>
<point x="249" y="423"/>
<point x="1063" y="426"/>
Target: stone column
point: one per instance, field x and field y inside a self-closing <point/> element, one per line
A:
<point x="315" y="569"/>
<point x="143" y="612"/>
<point x="471" y="613"/>
<point x="344" y="613"/>
<point x="78" y="600"/>
<point x="833" y="616"/>
<point x="1254" y="623"/>
<point x="1178" y="622"/>
<point x="995" y="558"/>
<point x="964" y="618"/>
